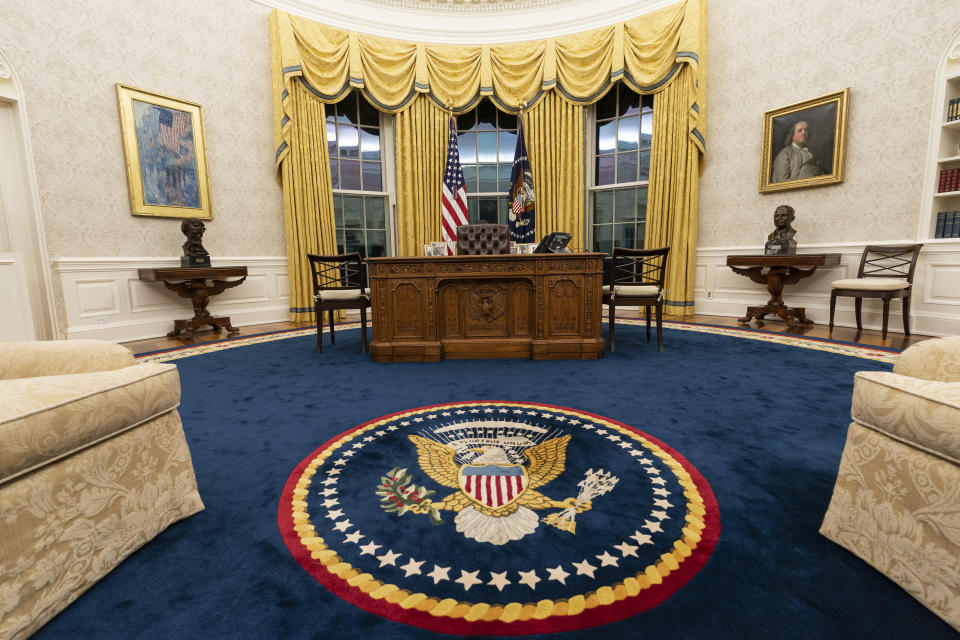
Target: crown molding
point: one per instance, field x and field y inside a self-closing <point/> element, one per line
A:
<point x="468" y="21"/>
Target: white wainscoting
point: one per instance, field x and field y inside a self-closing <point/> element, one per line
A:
<point x="934" y="305"/>
<point x="104" y="299"/>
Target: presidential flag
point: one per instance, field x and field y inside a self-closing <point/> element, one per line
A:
<point x="522" y="213"/>
<point x="453" y="196"/>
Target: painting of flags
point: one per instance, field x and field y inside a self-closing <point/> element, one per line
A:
<point x="453" y="195"/>
<point x="163" y="142"/>
<point x="522" y="217"/>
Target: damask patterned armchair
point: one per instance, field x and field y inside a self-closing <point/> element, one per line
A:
<point x="896" y="503"/>
<point x="93" y="465"/>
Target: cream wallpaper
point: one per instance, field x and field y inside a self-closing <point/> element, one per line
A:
<point x="69" y="55"/>
<point x="215" y="52"/>
<point x="763" y="56"/>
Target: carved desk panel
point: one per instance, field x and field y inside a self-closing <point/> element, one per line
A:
<point x="541" y="306"/>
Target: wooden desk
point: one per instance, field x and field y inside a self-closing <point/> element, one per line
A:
<point x="541" y="306"/>
<point x="775" y="272"/>
<point x="192" y="283"/>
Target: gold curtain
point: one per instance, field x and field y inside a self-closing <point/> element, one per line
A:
<point x="307" y="198"/>
<point x="657" y="53"/>
<point x="673" y="194"/>
<point x="554" y="136"/>
<point x="421" y="151"/>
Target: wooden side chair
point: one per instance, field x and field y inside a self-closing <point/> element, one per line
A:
<point x="636" y="279"/>
<point x="885" y="273"/>
<point x="338" y="284"/>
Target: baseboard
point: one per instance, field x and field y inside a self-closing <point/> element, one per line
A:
<point x="104" y="298"/>
<point x="935" y="303"/>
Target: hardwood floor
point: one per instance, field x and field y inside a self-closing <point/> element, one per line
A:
<point x="844" y="334"/>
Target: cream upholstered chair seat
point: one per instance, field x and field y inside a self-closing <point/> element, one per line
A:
<point x="342" y="295"/>
<point x="93" y="464"/>
<point x="896" y="502"/>
<point x="643" y="290"/>
<point x="871" y="284"/>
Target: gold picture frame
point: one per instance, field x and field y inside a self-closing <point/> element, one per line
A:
<point x="804" y="144"/>
<point x="166" y="155"/>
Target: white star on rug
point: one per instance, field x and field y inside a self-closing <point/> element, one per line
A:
<point x="468" y="579"/>
<point x="354" y="537"/>
<point x="329" y="481"/>
<point x="329" y="491"/>
<point x="432" y="416"/>
<point x="331" y="502"/>
<point x="460" y="412"/>
<point x="393" y="427"/>
<point x="642" y="538"/>
<point x="558" y="574"/>
<point x="418" y="419"/>
<point x="601" y="432"/>
<point x="439" y="573"/>
<point x="343" y="525"/>
<point x="607" y="559"/>
<point x="336" y="472"/>
<point x="663" y="504"/>
<point x="357" y="445"/>
<point x="624" y="445"/>
<point x="652" y="527"/>
<point x="499" y="580"/>
<point x="584" y="568"/>
<point x="379" y="432"/>
<point x="389" y="558"/>
<point x="626" y="549"/>
<point x="368" y="439"/>
<point x="529" y="578"/>
<point x="369" y="548"/>
<point x="335" y="514"/>
<point x="560" y="419"/>
<point x="658" y="480"/>
<point x="412" y="568"/>
<point x="340" y="462"/>
<point x="574" y="422"/>
<point x="636" y="453"/>
<point x="614" y="438"/>
<point x="660" y="515"/>
<point x="445" y="413"/>
<point x="346" y="454"/>
<point x="660" y="491"/>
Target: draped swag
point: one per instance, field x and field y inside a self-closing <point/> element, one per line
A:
<point x="660" y="53"/>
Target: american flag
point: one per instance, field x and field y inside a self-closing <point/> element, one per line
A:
<point x="173" y="125"/>
<point x="453" y="196"/>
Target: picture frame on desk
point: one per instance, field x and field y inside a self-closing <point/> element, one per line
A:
<point x="165" y="151"/>
<point x="804" y="144"/>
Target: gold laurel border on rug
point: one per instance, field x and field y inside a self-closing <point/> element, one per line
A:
<point x="513" y="611"/>
<point x="856" y="351"/>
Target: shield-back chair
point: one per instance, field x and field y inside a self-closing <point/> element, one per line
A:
<point x="885" y="273"/>
<point x="636" y="278"/>
<point x="338" y="284"/>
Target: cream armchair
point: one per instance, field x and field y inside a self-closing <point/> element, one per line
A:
<point x="896" y="503"/>
<point x="93" y="464"/>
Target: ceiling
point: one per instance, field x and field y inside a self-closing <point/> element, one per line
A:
<point x="468" y="21"/>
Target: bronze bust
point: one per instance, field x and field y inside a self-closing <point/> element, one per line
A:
<point x="780" y="241"/>
<point x="194" y="255"/>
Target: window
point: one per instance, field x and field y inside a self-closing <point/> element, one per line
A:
<point x="621" y="169"/>
<point x="487" y="139"/>
<point x="357" y="140"/>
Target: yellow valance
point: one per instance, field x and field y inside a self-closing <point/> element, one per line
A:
<point x="645" y="53"/>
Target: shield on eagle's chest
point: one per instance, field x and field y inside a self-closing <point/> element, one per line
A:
<point x="493" y="485"/>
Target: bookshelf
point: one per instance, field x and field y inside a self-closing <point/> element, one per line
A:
<point x="942" y="188"/>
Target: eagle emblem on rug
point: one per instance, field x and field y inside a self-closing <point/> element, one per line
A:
<point x="496" y="470"/>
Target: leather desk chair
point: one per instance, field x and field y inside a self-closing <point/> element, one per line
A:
<point x="482" y="239"/>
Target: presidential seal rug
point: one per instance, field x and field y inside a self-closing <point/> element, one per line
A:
<point x="499" y="518"/>
<point x="327" y="517"/>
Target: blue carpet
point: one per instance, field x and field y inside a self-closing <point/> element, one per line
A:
<point x="764" y="423"/>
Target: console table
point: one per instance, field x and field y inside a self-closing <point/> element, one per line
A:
<point x="540" y="306"/>
<point x="775" y="272"/>
<point x="191" y="283"/>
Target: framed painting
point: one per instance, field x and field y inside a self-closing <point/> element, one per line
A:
<point x="165" y="152"/>
<point x="804" y="144"/>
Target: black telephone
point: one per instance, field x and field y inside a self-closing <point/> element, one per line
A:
<point x="555" y="242"/>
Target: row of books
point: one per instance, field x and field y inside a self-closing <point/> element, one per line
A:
<point x="953" y="110"/>
<point x="948" y="224"/>
<point x="949" y="180"/>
